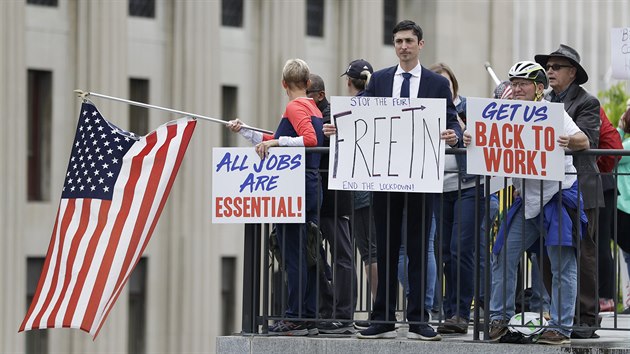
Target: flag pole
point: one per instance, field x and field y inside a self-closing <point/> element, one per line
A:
<point x="84" y="95"/>
<point x="492" y="73"/>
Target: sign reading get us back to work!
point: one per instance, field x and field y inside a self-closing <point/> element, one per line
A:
<point x="387" y="144"/>
<point x="515" y="138"/>
<point x="246" y="189"/>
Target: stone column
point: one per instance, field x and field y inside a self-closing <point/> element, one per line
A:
<point x="282" y="30"/>
<point x="100" y="54"/>
<point x="193" y="263"/>
<point x="12" y="173"/>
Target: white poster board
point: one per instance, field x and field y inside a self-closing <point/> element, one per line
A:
<point x="620" y="53"/>
<point x="387" y="144"/>
<point x="515" y="138"/>
<point x="246" y="189"/>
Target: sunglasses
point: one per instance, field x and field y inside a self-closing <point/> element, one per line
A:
<point x="557" y="67"/>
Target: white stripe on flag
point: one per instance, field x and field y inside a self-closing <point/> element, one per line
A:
<point x="174" y="146"/>
<point x="129" y="223"/>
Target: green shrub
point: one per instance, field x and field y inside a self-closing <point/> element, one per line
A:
<point x="614" y="101"/>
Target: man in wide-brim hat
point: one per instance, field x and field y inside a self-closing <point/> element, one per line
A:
<point x="571" y="61"/>
<point x="566" y="74"/>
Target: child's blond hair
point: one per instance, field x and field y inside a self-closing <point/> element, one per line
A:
<point x="296" y="73"/>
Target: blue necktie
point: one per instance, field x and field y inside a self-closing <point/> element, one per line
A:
<point x="404" y="89"/>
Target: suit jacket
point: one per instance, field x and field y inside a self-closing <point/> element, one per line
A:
<point x="432" y="85"/>
<point x="584" y="109"/>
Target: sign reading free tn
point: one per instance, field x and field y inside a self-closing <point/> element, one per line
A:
<point x="387" y="144"/>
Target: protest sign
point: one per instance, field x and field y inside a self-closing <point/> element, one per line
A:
<point x="515" y="138"/>
<point x="246" y="189"/>
<point x="620" y="53"/>
<point x="387" y="144"/>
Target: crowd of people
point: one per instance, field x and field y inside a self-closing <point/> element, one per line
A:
<point x="395" y="232"/>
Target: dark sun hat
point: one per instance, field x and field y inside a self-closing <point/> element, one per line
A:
<point x="571" y="55"/>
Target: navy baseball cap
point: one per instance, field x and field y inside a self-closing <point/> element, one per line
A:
<point x="356" y="67"/>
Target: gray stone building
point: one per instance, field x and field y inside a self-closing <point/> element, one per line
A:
<point x="221" y="59"/>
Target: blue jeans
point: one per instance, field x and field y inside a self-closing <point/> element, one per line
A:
<point x="458" y="247"/>
<point x="540" y="297"/>
<point x="301" y="279"/>
<point x="522" y="234"/>
<point x="403" y="261"/>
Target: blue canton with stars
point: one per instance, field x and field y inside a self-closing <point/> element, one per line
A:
<point x="96" y="158"/>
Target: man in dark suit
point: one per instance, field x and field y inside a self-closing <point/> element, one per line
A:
<point x="565" y="77"/>
<point x="407" y="79"/>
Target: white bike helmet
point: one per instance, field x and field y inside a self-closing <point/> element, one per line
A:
<point x="529" y="70"/>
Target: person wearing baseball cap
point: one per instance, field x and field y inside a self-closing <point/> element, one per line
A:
<point x="566" y="74"/>
<point x="359" y="69"/>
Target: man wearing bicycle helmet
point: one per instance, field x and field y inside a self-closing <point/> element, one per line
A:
<point x="524" y="225"/>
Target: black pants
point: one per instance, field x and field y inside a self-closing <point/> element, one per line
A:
<point x="388" y="211"/>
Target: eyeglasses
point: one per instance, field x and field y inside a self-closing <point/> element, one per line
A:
<point x="520" y="84"/>
<point x="557" y="67"/>
<point x="308" y="92"/>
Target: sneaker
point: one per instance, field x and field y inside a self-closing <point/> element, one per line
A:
<point x="336" y="327"/>
<point x="453" y="325"/>
<point x="626" y="311"/>
<point x="312" y="328"/>
<point x="289" y="328"/>
<point x="377" y="331"/>
<point x="361" y="325"/>
<point x="498" y="328"/>
<point x="423" y="332"/>
<point x="553" y="337"/>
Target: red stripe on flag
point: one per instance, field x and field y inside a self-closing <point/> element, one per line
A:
<point x="103" y="211"/>
<point x="42" y="277"/>
<point x="121" y="218"/>
<point x="188" y="131"/>
<point x="145" y="207"/>
<point x="72" y="254"/>
<point x="67" y="218"/>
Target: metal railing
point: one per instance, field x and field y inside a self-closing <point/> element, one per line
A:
<point x="264" y="283"/>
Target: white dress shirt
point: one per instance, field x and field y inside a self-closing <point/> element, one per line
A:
<point x="414" y="81"/>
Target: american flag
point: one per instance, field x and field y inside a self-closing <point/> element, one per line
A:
<point x="114" y="191"/>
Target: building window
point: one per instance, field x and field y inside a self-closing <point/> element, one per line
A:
<point x="390" y="13"/>
<point x="52" y="3"/>
<point x="315" y="18"/>
<point x="228" y="294"/>
<point x="137" y="308"/>
<point x="36" y="340"/>
<point x="232" y="13"/>
<point x="39" y="121"/>
<point x="142" y="8"/>
<point x="229" y="103"/>
<point x="139" y="116"/>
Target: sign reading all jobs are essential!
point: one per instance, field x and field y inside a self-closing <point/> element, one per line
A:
<point x="387" y="144"/>
<point x="515" y="138"/>
<point x="246" y="189"/>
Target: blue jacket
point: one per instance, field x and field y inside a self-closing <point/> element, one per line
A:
<point x="555" y="235"/>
